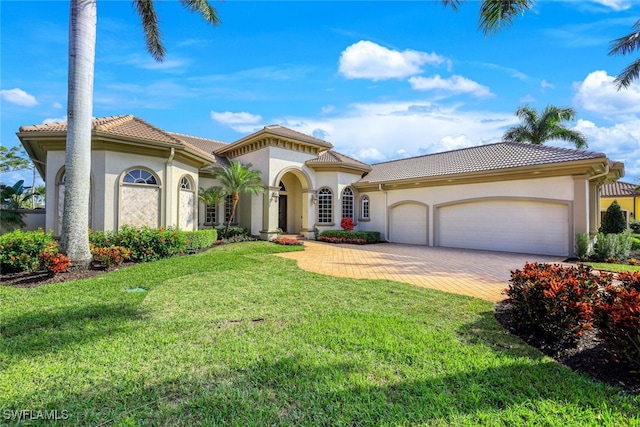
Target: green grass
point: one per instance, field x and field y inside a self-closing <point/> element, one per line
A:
<point x="235" y="336"/>
<point x="614" y="268"/>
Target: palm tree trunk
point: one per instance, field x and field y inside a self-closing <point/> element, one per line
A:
<point x="82" y="48"/>
<point x="234" y="203"/>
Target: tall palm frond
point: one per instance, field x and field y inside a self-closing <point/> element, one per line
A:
<point x="538" y="128"/>
<point x="495" y="14"/>
<point x="623" y="46"/>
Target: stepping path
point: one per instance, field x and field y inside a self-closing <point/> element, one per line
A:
<point x="480" y="274"/>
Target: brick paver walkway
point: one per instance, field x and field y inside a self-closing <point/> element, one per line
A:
<point x="481" y="274"/>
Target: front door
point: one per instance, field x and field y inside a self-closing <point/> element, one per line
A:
<point x="282" y="213"/>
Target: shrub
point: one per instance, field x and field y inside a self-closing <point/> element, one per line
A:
<point x="582" y="245"/>
<point x="635" y="226"/>
<point x="288" y="241"/>
<point x="146" y="244"/>
<point x="233" y="232"/>
<point x="606" y="247"/>
<point x="344" y="236"/>
<point x="613" y="221"/>
<point x="19" y="250"/>
<point x="108" y="256"/>
<point x="200" y="239"/>
<point x="618" y="319"/>
<point x="623" y="246"/>
<point x="554" y="301"/>
<point x="346" y="224"/>
<point x="53" y="261"/>
<point x="635" y="243"/>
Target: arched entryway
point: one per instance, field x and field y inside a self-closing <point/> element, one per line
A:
<point x="293" y="202"/>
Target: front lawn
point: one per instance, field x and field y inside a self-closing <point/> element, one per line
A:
<point x="613" y="268"/>
<point x="238" y="336"/>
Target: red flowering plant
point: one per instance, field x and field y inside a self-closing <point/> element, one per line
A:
<point x="288" y="241"/>
<point x="555" y="301"/>
<point x="618" y="318"/>
<point x="347" y="224"/>
<point x="53" y="261"/>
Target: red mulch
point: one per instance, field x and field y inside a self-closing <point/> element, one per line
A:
<point x="28" y="279"/>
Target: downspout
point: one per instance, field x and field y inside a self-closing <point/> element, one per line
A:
<point x="167" y="205"/>
<point x="607" y="169"/>
<point x="386" y="214"/>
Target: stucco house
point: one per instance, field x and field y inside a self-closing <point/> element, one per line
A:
<point x="627" y="196"/>
<point x="503" y="196"/>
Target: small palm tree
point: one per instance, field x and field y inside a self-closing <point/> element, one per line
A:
<point x="537" y="129"/>
<point x="236" y="179"/>
<point x="11" y="198"/>
<point x="211" y="197"/>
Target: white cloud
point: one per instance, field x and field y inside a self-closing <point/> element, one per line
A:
<point x="57" y="105"/>
<point x="327" y="109"/>
<point x="368" y="60"/>
<point x="597" y="93"/>
<point x="546" y="85"/>
<point x="240" y="122"/>
<point x="616" y="5"/>
<point x="527" y="99"/>
<point x="19" y="97"/>
<point x="620" y="142"/>
<point x="454" y="84"/>
<point x="50" y="120"/>
<point x="414" y="128"/>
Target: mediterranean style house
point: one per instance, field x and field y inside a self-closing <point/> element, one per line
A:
<point x="503" y="196"/>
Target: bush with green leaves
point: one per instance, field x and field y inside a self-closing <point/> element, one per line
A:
<point x="612" y="246"/>
<point x="233" y="232"/>
<point x="635" y="243"/>
<point x="583" y="242"/>
<point x="200" y="239"/>
<point x="346" y="235"/>
<point x="20" y="250"/>
<point x="635" y="226"/>
<point x="613" y="220"/>
<point x="146" y="244"/>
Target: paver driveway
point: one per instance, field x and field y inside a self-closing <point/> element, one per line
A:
<point x="481" y="274"/>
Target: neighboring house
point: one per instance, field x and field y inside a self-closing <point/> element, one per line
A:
<point x="504" y="196"/>
<point x="627" y="195"/>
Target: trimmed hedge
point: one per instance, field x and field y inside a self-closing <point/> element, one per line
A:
<point x="345" y="236"/>
<point x="200" y="239"/>
<point x="146" y="244"/>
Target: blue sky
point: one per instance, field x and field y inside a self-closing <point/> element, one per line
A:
<point x="379" y="80"/>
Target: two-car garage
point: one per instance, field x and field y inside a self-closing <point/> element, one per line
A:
<point x="513" y="225"/>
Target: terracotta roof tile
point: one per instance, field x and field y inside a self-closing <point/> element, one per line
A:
<point x="502" y="155"/>
<point x="619" y="189"/>
<point x="333" y="157"/>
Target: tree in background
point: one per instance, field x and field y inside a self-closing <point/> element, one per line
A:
<point x="539" y="128"/>
<point x="11" y="198"/>
<point x="74" y="240"/>
<point x="15" y="159"/>
<point x="237" y="179"/>
<point x="497" y="14"/>
<point x="613" y="221"/>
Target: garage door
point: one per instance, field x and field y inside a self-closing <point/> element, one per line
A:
<point x="408" y="223"/>
<point x="505" y="225"/>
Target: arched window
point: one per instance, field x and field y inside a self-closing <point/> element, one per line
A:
<point x="348" y="203"/>
<point x="325" y="206"/>
<point x="365" y="207"/>
<point x="185" y="183"/>
<point x="139" y="199"/>
<point x="140" y="176"/>
<point x="187" y="202"/>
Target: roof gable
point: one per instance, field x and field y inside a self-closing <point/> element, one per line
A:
<point x="275" y="136"/>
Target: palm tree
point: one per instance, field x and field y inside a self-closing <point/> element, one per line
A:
<point x="11" y="199"/>
<point x="236" y="179"/>
<point x="537" y="129"/>
<point x="82" y="52"/>
<point x="497" y="14"/>
<point x="622" y="46"/>
<point x="211" y="197"/>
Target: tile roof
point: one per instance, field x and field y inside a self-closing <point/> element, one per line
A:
<point x="208" y="145"/>
<point x="502" y="155"/>
<point x="619" y="188"/>
<point x="126" y="126"/>
<point x="284" y="133"/>
<point x="333" y="157"/>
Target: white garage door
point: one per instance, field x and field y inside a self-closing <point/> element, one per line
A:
<point x="408" y="224"/>
<point x="505" y="225"/>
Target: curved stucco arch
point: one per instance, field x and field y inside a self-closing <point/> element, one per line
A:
<point x="305" y="179"/>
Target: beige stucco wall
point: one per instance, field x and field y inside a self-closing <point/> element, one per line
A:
<point x="557" y="188"/>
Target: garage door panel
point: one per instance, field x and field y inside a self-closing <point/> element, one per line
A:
<point x="408" y="224"/>
<point x="505" y="225"/>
